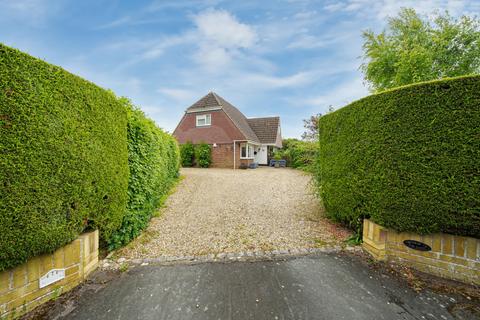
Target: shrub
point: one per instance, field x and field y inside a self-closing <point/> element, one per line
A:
<point x="300" y="154"/>
<point x="406" y="158"/>
<point x="153" y="159"/>
<point x="187" y="154"/>
<point x="203" y="155"/>
<point x="63" y="163"/>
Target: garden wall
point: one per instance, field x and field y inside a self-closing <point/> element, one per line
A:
<point x="453" y="257"/>
<point x="20" y="288"/>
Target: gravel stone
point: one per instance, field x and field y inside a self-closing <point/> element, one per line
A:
<point x="224" y="211"/>
<point x="221" y="256"/>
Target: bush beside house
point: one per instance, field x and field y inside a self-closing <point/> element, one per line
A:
<point x="405" y="158"/>
<point x="299" y="154"/>
<point x="153" y="159"/>
<point x="203" y="155"/>
<point x="187" y="154"/>
<point x="66" y="153"/>
<point x="199" y="155"/>
<point x="64" y="163"/>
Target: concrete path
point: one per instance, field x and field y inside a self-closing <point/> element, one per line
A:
<point x="326" y="286"/>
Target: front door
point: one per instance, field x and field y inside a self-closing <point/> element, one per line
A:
<point x="261" y="155"/>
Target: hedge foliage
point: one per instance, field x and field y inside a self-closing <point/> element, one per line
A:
<point x="406" y="158"/>
<point x="299" y="154"/>
<point x="153" y="159"/>
<point x="187" y="154"/>
<point x="196" y="155"/>
<point x="63" y="158"/>
<point x="203" y="155"/>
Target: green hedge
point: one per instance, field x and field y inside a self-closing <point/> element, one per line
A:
<point x="187" y="154"/>
<point x="203" y="155"/>
<point x="63" y="158"/>
<point x="406" y="158"/>
<point x="153" y="159"/>
<point x="300" y="154"/>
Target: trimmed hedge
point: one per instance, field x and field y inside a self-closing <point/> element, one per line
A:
<point x="153" y="159"/>
<point x="63" y="158"/>
<point x="406" y="158"/>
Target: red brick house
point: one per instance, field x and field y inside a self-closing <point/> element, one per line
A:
<point x="235" y="139"/>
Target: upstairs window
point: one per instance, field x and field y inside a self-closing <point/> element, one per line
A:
<point x="204" y="120"/>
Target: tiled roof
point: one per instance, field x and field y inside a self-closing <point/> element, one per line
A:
<point x="212" y="100"/>
<point x="266" y="129"/>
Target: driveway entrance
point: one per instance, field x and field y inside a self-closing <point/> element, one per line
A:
<point x="224" y="210"/>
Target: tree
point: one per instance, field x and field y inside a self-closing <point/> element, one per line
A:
<point x="413" y="49"/>
<point x="311" y="126"/>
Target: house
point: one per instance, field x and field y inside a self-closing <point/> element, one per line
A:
<point x="235" y="139"/>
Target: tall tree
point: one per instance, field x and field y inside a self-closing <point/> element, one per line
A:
<point x="414" y="49"/>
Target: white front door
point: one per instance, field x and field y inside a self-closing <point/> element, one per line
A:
<point x="261" y="156"/>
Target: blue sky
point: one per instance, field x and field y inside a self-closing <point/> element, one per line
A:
<point x="291" y="58"/>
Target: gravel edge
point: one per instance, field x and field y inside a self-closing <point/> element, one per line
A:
<point x="121" y="263"/>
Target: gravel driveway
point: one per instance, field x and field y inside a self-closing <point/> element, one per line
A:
<point x="221" y="210"/>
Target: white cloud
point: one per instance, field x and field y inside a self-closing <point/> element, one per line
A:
<point x="32" y="12"/>
<point x="220" y="37"/>
<point x="179" y="95"/>
<point x="217" y="39"/>
<point x="381" y="9"/>
<point x="222" y="29"/>
<point x="116" y="23"/>
<point x="275" y="82"/>
<point x="307" y="41"/>
<point x="158" y="48"/>
<point x="305" y="15"/>
<point x="349" y="90"/>
<point x="333" y="7"/>
<point x="213" y="58"/>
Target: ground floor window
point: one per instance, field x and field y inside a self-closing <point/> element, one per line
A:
<point x="246" y="151"/>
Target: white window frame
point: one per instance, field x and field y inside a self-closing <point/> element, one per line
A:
<point x="207" y="118"/>
<point x="250" y="151"/>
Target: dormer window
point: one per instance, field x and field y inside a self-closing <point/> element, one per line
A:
<point x="204" y="120"/>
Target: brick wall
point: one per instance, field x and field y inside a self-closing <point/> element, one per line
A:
<point x="452" y="257"/>
<point x="222" y="156"/>
<point x="20" y="289"/>
<point x="221" y="131"/>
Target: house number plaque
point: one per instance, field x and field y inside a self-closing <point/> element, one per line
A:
<point x="417" y="245"/>
<point x="52" y="276"/>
